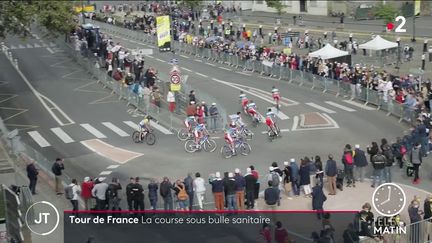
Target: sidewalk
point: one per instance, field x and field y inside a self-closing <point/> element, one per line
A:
<point x="44" y="190"/>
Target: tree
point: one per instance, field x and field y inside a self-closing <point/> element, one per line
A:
<point x="277" y="4"/>
<point x="387" y="12"/>
<point x="17" y="16"/>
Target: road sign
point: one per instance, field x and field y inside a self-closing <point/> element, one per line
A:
<point x="175" y="78"/>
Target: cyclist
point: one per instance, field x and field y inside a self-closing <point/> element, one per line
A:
<point x="189" y="121"/>
<point x="270" y="115"/>
<point x="229" y="139"/>
<point x="144" y="126"/>
<point x="244" y="100"/>
<point x="251" y="108"/>
<point x="198" y="132"/>
<point x="276" y="95"/>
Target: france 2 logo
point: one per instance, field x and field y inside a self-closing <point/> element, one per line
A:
<point x="399" y="28"/>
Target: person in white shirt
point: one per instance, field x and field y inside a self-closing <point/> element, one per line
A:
<point x="76" y="190"/>
<point x="199" y="189"/>
<point x="171" y="101"/>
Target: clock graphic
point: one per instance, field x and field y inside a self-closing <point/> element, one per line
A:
<point x="389" y="199"/>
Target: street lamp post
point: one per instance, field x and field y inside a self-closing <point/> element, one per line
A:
<point x="423" y="61"/>
<point x="398" y="54"/>
<point x="413" y="36"/>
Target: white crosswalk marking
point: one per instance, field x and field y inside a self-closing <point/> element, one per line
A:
<point x="21" y="46"/>
<point x="115" y="129"/>
<point x="160" y="128"/>
<point x="93" y="130"/>
<point x="13" y="47"/>
<point x="365" y="107"/>
<point x="41" y="141"/>
<point x="107" y="172"/>
<point x="340" y="106"/>
<point x="29" y="46"/>
<point x="113" y="166"/>
<point x="321" y="108"/>
<point x="62" y="135"/>
<point x="132" y="124"/>
<point x="36" y="45"/>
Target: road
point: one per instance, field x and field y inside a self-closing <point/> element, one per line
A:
<point x="64" y="82"/>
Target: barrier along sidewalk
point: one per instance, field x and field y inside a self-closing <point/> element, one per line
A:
<point x="365" y="94"/>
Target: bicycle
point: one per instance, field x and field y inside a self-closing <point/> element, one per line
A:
<point x="184" y="134"/>
<point x="239" y="145"/>
<point x="147" y="135"/>
<point x="273" y="134"/>
<point x="246" y="133"/>
<point x="208" y="144"/>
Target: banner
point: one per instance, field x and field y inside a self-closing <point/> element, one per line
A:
<point x="87" y="9"/>
<point x="163" y="33"/>
<point x="417" y="7"/>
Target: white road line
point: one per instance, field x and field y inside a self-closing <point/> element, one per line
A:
<point x="36" y="45"/>
<point x="187" y="69"/>
<point x="149" y="56"/>
<point x="132" y="124"/>
<point x="106" y="172"/>
<point x="281" y="115"/>
<point x="160" y="60"/>
<point x="50" y="50"/>
<point x="39" y="139"/>
<point x="365" y="107"/>
<point x="43" y="99"/>
<point x="200" y="74"/>
<point x="247" y="74"/>
<point x="21" y="46"/>
<point x="93" y="130"/>
<point x="160" y="128"/>
<point x="115" y="129"/>
<point x="113" y="166"/>
<point x="330" y="120"/>
<point x="184" y="56"/>
<point x="340" y="106"/>
<point x="29" y="46"/>
<point x="224" y="68"/>
<point x="282" y="130"/>
<point x="198" y="60"/>
<point x="62" y="135"/>
<point x="210" y="64"/>
<point x="295" y="123"/>
<point x="320" y="108"/>
<point x="13" y="47"/>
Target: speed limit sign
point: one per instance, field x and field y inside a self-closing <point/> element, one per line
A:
<point x="175" y="78"/>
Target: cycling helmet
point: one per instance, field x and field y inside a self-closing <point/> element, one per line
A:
<point x="269" y="109"/>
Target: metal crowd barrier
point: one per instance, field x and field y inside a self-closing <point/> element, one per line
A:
<point x="316" y="82"/>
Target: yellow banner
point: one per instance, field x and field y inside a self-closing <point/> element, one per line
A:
<point x="175" y="87"/>
<point x="89" y="8"/>
<point x="163" y="33"/>
<point x="417" y="7"/>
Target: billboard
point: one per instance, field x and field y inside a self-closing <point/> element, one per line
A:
<point x="163" y="33"/>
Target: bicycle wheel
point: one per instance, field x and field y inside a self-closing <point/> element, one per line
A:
<point x="136" y="137"/>
<point x="248" y="134"/>
<point x="210" y="145"/>
<point x="245" y="149"/>
<point x="190" y="146"/>
<point x="150" y="138"/>
<point x="226" y="152"/>
<point x="183" y="134"/>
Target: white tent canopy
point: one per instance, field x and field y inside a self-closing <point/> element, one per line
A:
<point x="377" y="44"/>
<point x="328" y="52"/>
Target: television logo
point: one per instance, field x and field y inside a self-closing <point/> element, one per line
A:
<point x="389" y="225"/>
<point x="399" y="28"/>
